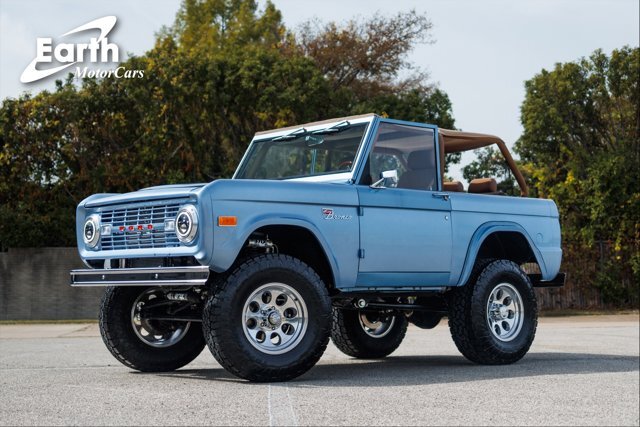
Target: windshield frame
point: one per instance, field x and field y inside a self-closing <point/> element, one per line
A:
<point x="337" y="175"/>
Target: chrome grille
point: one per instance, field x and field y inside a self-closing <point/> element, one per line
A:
<point x="139" y="227"/>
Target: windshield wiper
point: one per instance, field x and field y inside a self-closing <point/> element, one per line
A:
<point x="338" y="127"/>
<point x="291" y="135"/>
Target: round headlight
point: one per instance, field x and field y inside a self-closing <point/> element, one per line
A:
<point x="187" y="223"/>
<point x="91" y="231"/>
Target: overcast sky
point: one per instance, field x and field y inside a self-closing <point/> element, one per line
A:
<point x="484" y="50"/>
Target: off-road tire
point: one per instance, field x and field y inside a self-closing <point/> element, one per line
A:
<point x="349" y="336"/>
<point x="223" y="319"/>
<point x="123" y="343"/>
<point x="468" y="314"/>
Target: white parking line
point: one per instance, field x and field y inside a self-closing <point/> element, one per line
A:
<point x="281" y="411"/>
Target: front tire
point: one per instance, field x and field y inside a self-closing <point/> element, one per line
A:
<point x="146" y="345"/>
<point x="367" y="335"/>
<point x="269" y="319"/>
<point x="493" y="318"/>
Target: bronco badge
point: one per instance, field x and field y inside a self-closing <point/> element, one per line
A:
<point x="331" y="215"/>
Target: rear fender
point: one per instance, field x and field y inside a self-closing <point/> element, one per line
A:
<point x="486" y="230"/>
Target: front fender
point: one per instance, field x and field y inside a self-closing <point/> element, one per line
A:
<point x="230" y="241"/>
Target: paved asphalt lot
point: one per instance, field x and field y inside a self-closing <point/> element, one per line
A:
<point x="580" y="371"/>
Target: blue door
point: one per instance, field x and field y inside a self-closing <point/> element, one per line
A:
<point x="405" y="227"/>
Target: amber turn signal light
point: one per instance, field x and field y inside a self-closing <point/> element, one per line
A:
<point x="227" y="221"/>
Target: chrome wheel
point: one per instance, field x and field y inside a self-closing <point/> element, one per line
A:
<point x="156" y="333"/>
<point x="505" y="312"/>
<point x="274" y="318"/>
<point x="376" y="326"/>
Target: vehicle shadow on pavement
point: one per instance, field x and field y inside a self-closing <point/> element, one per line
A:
<point x="417" y="370"/>
<point x="213" y="374"/>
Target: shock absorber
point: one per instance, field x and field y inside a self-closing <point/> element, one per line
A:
<point x="264" y="244"/>
<point x="183" y="296"/>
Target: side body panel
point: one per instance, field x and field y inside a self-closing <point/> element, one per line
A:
<point x="476" y="216"/>
<point x="406" y="243"/>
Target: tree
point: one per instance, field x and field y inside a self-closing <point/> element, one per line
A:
<point x="581" y="144"/>
<point x="367" y="56"/>
<point x="212" y="28"/>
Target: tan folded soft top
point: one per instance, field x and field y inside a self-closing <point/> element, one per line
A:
<point x="454" y="141"/>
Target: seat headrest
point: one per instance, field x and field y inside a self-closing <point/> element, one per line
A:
<point x="420" y="159"/>
<point x="483" y="185"/>
<point x="453" y="186"/>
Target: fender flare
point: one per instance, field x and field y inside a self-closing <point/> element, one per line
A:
<point x="482" y="233"/>
<point x="301" y="222"/>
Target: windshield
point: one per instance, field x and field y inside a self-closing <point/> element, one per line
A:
<point x="303" y="153"/>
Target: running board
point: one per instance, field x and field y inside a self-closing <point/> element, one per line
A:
<point x="161" y="276"/>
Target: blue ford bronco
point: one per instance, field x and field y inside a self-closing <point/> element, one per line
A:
<point x="344" y="228"/>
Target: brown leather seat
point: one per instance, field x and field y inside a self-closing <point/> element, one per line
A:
<point x="483" y="186"/>
<point x="453" y="186"/>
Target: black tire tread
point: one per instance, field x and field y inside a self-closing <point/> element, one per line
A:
<point x="467" y="326"/>
<point x="127" y="350"/>
<point x="218" y="336"/>
<point x="459" y="301"/>
<point x="346" y="340"/>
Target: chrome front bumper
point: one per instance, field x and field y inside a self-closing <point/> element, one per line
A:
<point x="161" y="276"/>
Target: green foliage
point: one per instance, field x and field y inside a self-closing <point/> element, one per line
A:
<point x="610" y="280"/>
<point x="581" y="146"/>
<point x="223" y="71"/>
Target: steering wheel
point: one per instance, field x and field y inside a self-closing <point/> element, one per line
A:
<point x="344" y="165"/>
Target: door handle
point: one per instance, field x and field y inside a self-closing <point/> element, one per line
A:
<point x="443" y="196"/>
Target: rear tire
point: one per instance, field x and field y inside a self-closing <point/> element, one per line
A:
<point x="367" y="336"/>
<point x="148" y="346"/>
<point x="493" y="318"/>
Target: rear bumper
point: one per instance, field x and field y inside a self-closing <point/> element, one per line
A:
<point x="556" y="282"/>
<point x="162" y="276"/>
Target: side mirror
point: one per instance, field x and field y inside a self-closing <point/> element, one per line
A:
<point x="388" y="179"/>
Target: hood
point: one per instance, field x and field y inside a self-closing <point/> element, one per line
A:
<point x="159" y="192"/>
